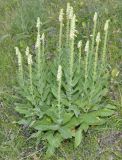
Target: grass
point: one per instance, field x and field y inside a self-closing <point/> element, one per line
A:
<point x="13" y="139"/>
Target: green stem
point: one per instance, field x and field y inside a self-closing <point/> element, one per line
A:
<point x="20" y="66"/>
<point x="21" y="74"/>
<point x="60" y="39"/>
<point x="38" y="56"/>
<point x="79" y="53"/>
<point x="43" y="47"/>
<point x="104" y="49"/>
<point x="59" y="77"/>
<point x="59" y="98"/>
<point x="86" y="60"/>
<point x="67" y="32"/>
<point x="71" y="64"/>
<point x="30" y="78"/>
<point x="94" y="31"/>
<point x="72" y="35"/>
<point x="96" y="61"/>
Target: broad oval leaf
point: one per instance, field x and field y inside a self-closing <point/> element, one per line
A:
<point x="105" y="112"/>
<point x="78" y="137"/>
<point x="65" y="132"/>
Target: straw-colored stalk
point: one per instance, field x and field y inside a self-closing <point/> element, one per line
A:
<point x="20" y="67"/>
<point x="86" y="60"/>
<point x="59" y="77"/>
<point x="94" y="31"/>
<point x="105" y="42"/>
<point x="96" y="55"/>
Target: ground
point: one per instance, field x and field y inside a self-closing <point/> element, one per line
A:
<point x="17" y="27"/>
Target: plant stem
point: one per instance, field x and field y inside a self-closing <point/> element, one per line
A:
<point x="20" y="67"/>
<point x="94" y="31"/>
<point x="38" y="48"/>
<point x="72" y="36"/>
<point x="30" y="76"/>
<point x="67" y="32"/>
<point x="39" y="57"/>
<point x="30" y="72"/>
<point x="87" y="60"/>
<point x="59" y="76"/>
<point x="43" y="45"/>
<point x="105" y="43"/>
<point x="68" y="24"/>
<point x="60" y="32"/>
<point x="96" y="56"/>
<point x="79" y="50"/>
<point x="59" y="98"/>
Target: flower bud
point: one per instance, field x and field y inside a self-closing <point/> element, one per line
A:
<point x="68" y="10"/>
<point x="37" y="41"/>
<point x="79" y="44"/>
<point x="71" y="12"/>
<point x="61" y="15"/>
<point x="59" y="74"/>
<point x="29" y="59"/>
<point x="95" y="17"/>
<point x="106" y="25"/>
<point x="87" y="46"/>
<point x="98" y="37"/>
<point x="73" y="30"/>
<point x="19" y="56"/>
<point x="43" y="36"/>
<point x="38" y="23"/>
<point x="27" y="51"/>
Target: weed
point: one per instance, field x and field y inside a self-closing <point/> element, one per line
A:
<point x="67" y="109"/>
<point x="14" y="12"/>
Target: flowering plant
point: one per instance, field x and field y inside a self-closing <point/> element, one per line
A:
<point x="64" y="108"/>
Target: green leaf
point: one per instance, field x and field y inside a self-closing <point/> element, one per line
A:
<point x="47" y="127"/>
<point x="36" y="135"/>
<point x="54" y="139"/>
<point x="75" y="81"/>
<point x="64" y="101"/>
<point x="75" y="96"/>
<point x="44" y="121"/>
<point x="67" y="117"/>
<point x="25" y="122"/>
<point x="73" y="123"/>
<point x="80" y="103"/>
<point x="25" y="110"/>
<point x="50" y="151"/>
<point x="65" y="132"/>
<point x="54" y="91"/>
<point x="91" y="119"/>
<point x="38" y="112"/>
<point x="4" y="37"/>
<point x="45" y="93"/>
<point x="105" y="112"/>
<point x="84" y="126"/>
<point x="109" y="106"/>
<point x="78" y="137"/>
<point x="52" y="113"/>
<point x="75" y="109"/>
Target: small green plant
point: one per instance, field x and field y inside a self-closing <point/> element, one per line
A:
<point x="60" y="99"/>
